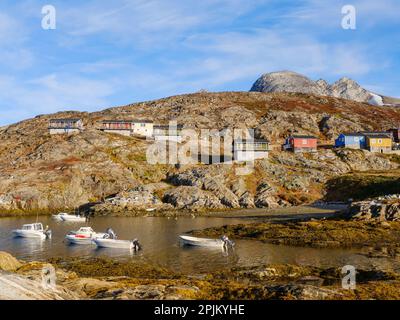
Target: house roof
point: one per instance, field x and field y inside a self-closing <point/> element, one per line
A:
<point x="142" y="121"/>
<point x="353" y="134"/>
<point x="166" y="126"/>
<point x="116" y="121"/>
<point x="379" y="136"/>
<point x="303" y="137"/>
<point x="248" y="141"/>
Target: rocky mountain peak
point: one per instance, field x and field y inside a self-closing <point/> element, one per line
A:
<point x="345" y="88"/>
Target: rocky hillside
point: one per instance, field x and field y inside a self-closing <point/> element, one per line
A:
<point x="345" y="88"/>
<point x="48" y="173"/>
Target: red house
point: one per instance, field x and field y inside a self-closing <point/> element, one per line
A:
<point x="301" y="143"/>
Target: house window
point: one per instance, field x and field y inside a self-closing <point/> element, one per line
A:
<point x="304" y="141"/>
<point x="142" y="124"/>
<point x="356" y="139"/>
<point x="379" y="140"/>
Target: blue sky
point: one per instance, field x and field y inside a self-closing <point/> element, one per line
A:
<point x="109" y="53"/>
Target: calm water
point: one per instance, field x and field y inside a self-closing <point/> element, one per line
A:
<point x="159" y="237"/>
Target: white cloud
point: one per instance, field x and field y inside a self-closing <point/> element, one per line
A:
<point x="49" y="94"/>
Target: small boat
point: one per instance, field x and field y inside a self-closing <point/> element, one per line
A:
<point x="85" y="235"/>
<point x="59" y="215"/>
<point x="151" y="209"/>
<point x="109" y="240"/>
<point x="72" y="218"/>
<point x="33" y="230"/>
<point x="117" y="244"/>
<point x="224" y="242"/>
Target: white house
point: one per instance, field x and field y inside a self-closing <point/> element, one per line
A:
<point x="142" y="128"/>
<point x="167" y="133"/>
<point x="65" y="126"/>
<point x="250" y="150"/>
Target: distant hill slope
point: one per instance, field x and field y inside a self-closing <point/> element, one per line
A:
<point x="288" y="81"/>
<point x="40" y="171"/>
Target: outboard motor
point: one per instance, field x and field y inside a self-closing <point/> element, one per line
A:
<point x="136" y="245"/>
<point x="48" y="234"/>
<point x="227" y="243"/>
<point x="111" y="233"/>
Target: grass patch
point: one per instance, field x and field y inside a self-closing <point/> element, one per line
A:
<point x="362" y="186"/>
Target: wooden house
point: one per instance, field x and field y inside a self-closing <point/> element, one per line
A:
<point x="351" y="140"/>
<point x="250" y="150"/>
<point x="300" y="143"/>
<point x="123" y="127"/>
<point x="168" y="133"/>
<point x="381" y="143"/>
<point x="142" y="128"/>
<point x="65" y="126"/>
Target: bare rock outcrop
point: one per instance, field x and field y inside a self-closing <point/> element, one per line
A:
<point x="380" y="209"/>
<point x="288" y="81"/>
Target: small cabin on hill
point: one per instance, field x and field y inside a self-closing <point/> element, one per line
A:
<point x="128" y="127"/>
<point x="301" y="143"/>
<point x="65" y="126"/>
<point x="142" y="128"/>
<point x="168" y="133"/>
<point x="381" y="143"/>
<point x="351" y="140"/>
<point x="123" y="127"/>
<point x="250" y="150"/>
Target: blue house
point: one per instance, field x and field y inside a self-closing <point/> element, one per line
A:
<point x="351" y="140"/>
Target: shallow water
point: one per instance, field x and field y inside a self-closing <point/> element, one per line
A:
<point x="159" y="237"/>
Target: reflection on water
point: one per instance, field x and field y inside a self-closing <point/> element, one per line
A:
<point x="159" y="237"/>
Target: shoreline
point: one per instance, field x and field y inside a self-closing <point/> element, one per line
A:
<point x="303" y="211"/>
<point x="81" y="279"/>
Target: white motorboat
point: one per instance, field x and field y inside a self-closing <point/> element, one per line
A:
<point x="85" y="235"/>
<point x="72" y="218"/>
<point x="59" y="215"/>
<point x="34" y="230"/>
<point x="224" y="242"/>
<point x="114" y="243"/>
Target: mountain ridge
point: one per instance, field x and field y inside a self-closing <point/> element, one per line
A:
<point x="345" y="88"/>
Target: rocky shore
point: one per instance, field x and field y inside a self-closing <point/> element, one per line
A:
<point x="101" y="278"/>
<point x="385" y="208"/>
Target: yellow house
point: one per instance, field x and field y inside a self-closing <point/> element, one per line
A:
<point x="379" y="143"/>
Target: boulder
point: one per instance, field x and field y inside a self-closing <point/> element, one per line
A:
<point x="8" y="262"/>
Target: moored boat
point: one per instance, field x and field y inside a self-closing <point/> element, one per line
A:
<point x="72" y="218"/>
<point x="85" y="235"/>
<point x="224" y="242"/>
<point x="58" y="216"/>
<point x="33" y="230"/>
<point x="114" y="243"/>
<point x="110" y="241"/>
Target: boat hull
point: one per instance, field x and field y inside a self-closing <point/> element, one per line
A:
<point x="73" y="219"/>
<point x="29" y="234"/>
<point x="76" y="239"/>
<point x="201" y="242"/>
<point x="115" y="244"/>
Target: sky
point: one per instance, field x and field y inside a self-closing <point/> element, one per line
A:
<point x="107" y="53"/>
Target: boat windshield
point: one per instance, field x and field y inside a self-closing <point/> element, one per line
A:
<point x="27" y="227"/>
